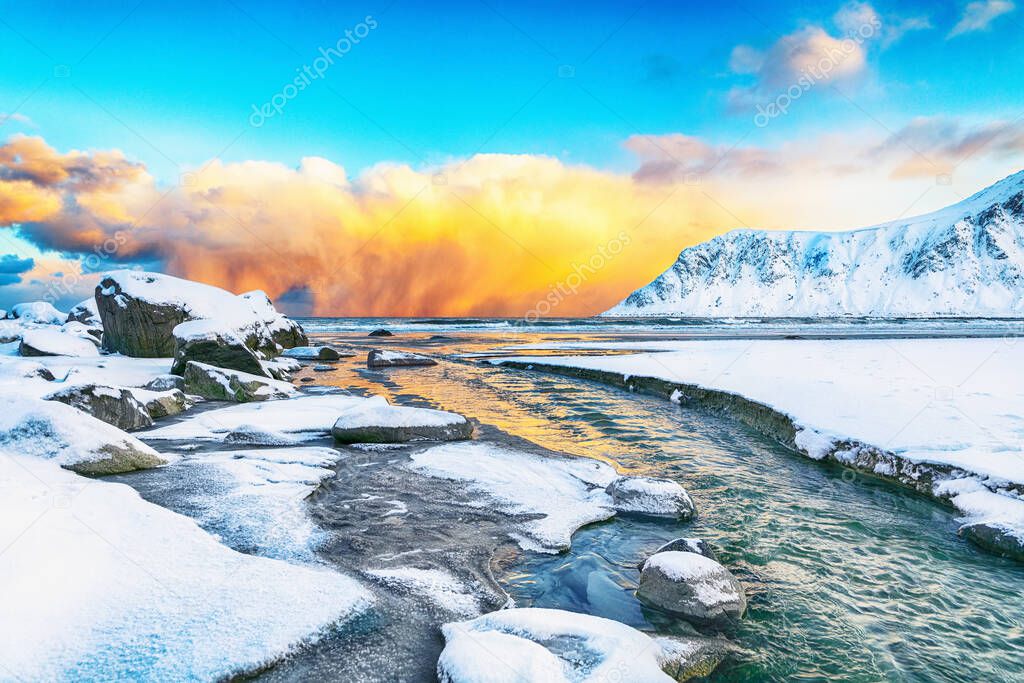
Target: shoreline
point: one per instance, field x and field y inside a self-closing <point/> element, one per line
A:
<point x="862" y="457"/>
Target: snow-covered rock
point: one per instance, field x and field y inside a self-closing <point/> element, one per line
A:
<point x="54" y="341"/>
<point x="141" y="310"/>
<point x="98" y="584"/>
<point x="160" y="404"/>
<point x="116" y="406"/>
<point x="555" y="646"/>
<point x="208" y="341"/>
<point x="305" y="417"/>
<point x="965" y="260"/>
<point x="42" y="312"/>
<point x="384" y="358"/>
<point x="649" y="496"/>
<point x="316" y="353"/>
<point x="86" y="312"/>
<point x="166" y="383"/>
<point x="563" y="494"/>
<point x="686" y="545"/>
<point x="375" y="423"/>
<point x="70" y="438"/>
<point x="221" y="384"/>
<point x="692" y="586"/>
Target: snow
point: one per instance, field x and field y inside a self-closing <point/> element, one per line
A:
<point x="569" y="493"/>
<point x="58" y="432"/>
<point x="956" y="402"/>
<point x="39" y="312"/>
<point x="98" y="584"/>
<point x="373" y="414"/>
<point x="966" y="259"/>
<point x="57" y="342"/>
<point x="652" y="496"/>
<point x="437" y="585"/>
<point x="535" y="644"/>
<point x="254" y="500"/>
<point x="305" y="417"/>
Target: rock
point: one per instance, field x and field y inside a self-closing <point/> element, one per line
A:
<point x="133" y="323"/>
<point x="555" y="646"/>
<point x="90" y="334"/>
<point x="324" y="368"/>
<point x="378" y="358"/>
<point x="70" y="437"/>
<point x="251" y="435"/>
<point x="162" y="404"/>
<point x="52" y="341"/>
<point x="166" y="383"/>
<point x="307" y="379"/>
<point x="223" y="351"/>
<point x="283" y="331"/>
<point x="376" y="423"/>
<point x="649" y="496"/>
<point x="692" y="586"/>
<point x="997" y="538"/>
<point x="380" y="333"/>
<point x="86" y="313"/>
<point x="281" y="368"/>
<point x="41" y="312"/>
<point x="28" y="369"/>
<point x="686" y="545"/>
<point x="116" y="406"/>
<point x="221" y="384"/>
<point x="315" y="353"/>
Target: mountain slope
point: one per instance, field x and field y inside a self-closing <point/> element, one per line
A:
<point x="966" y="259"/>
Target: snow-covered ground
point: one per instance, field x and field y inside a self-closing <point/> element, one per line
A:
<point x="97" y="584"/>
<point x="956" y="402"/>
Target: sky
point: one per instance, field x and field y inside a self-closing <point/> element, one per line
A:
<point x="480" y="157"/>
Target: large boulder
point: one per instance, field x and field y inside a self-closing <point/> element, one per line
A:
<point x="686" y="545"/>
<point x="376" y="423"/>
<point x="160" y="404"/>
<point x="555" y="646"/>
<point x="201" y="342"/>
<point x="1000" y="538"/>
<point x="86" y="313"/>
<point x="116" y="406"/>
<point x="649" y="496"/>
<point x="54" y="341"/>
<point x="691" y="586"/>
<point x="42" y="312"/>
<point x="70" y="437"/>
<point x="141" y="310"/>
<point x="220" y="384"/>
<point x="384" y="358"/>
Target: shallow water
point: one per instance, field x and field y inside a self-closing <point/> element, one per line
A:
<point x="848" y="578"/>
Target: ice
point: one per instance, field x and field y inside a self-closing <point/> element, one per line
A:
<point x="97" y="584"/>
<point x="568" y="492"/>
<point x="307" y="417"/>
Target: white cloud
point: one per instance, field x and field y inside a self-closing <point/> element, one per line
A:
<point x="979" y="15"/>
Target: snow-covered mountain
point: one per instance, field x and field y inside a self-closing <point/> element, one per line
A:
<point x="965" y="260"/>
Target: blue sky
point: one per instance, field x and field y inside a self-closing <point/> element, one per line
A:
<point x="604" y="103"/>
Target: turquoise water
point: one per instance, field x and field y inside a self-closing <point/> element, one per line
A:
<point x="848" y="578"/>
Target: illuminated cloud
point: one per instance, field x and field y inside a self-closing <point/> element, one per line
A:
<point x="979" y="15"/>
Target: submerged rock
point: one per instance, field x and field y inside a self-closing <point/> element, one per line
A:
<point x="692" y="586"/>
<point x="116" y="406"/>
<point x="995" y="537"/>
<point x="221" y="384"/>
<point x="375" y="423"/>
<point x="378" y="358"/>
<point x="381" y="333"/>
<point x="324" y="368"/>
<point x="649" y="496"/>
<point x="686" y="545"/>
<point x="533" y="644"/>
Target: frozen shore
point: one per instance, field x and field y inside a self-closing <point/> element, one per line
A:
<point x="944" y="416"/>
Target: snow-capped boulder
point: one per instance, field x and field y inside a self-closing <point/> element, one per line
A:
<point x="283" y="331"/>
<point x="87" y="332"/>
<point x="116" y="406"/>
<point x="71" y="438"/>
<point x="53" y="341"/>
<point x="221" y="384"/>
<point x="686" y="545"/>
<point x="374" y="423"/>
<point x="160" y="404"/>
<point x="141" y="310"/>
<point x="649" y="496"/>
<point x="534" y="644"/>
<point x="86" y="313"/>
<point x="315" y="353"/>
<point x="383" y="358"/>
<point x="281" y="367"/>
<point x="204" y="341"/>
<point x="692" y="586"/>
<point x="166" y="383"/>
<point x="1000" y="538"/>
<point x="42" y="312"/>
<point x="14" y="368"/>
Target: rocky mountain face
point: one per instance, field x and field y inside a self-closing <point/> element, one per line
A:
<point x="964" y="260"/>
